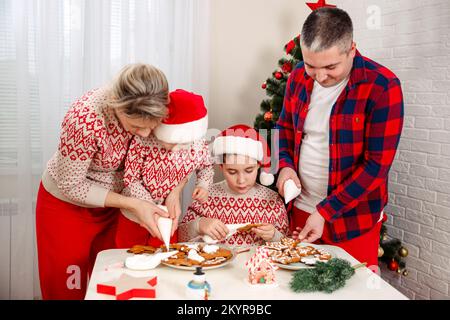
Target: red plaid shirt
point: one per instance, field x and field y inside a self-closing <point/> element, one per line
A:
<point x="365" y="126"/>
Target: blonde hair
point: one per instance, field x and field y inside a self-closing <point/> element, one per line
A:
<point x="140" y="90"/>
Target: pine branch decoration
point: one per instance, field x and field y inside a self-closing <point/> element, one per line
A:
<point x="326" y="276"/>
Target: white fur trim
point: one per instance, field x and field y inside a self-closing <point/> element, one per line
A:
<point x="238" y="145"/>
<point x="266" y="179"/>
<point x="182" y="133"/>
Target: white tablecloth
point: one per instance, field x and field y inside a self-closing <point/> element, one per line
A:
<point x="229" y="282"/>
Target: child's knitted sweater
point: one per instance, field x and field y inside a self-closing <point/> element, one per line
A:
<point x="259" y="205"/>
<point x="152" y="172"/>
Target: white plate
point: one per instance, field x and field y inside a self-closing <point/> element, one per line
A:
<point x="301" y="265"/>
<point x="193" y="268"/>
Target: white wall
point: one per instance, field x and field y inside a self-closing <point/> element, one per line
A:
<point x="247" y="39"/>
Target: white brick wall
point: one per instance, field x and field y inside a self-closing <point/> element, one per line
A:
<point x="414" y="42"/>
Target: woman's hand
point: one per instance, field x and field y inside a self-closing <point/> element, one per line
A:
<point x="266" y="231"/>
<point x="147" y="214"/>
<point x="214" y="228"/>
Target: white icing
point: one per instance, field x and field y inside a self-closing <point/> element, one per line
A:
<point x="145" y="261"/>
<point x="290" y="190"/>
<point x="192" y="246"/>
<point x="165" y="227"/>
<point x="309" y="260"/>
<point x="193" y="255"/>
<point x="210" y="248"/>
<point x="209" y="240"/>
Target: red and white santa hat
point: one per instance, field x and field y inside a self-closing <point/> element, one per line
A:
<point x="243" y="140"/>
<point x="187" y="120"/>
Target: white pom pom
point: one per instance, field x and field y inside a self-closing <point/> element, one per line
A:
<point x="266" y="179"/>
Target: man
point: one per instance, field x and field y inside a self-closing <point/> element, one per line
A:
<point x="339" y="129"/>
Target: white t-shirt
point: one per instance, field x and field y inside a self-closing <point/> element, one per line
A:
<point x="314" y="151"/>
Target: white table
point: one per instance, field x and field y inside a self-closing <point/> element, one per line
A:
<point x="228" y="282"/>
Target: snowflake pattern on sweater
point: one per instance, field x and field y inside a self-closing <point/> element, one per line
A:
<point x="90" y="158"/>
<point x="152" y="172"/>
<point x="259" y="205"/>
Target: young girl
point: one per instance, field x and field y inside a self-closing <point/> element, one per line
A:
<point x="238" y="199"/>
<point x="157" y="165"/>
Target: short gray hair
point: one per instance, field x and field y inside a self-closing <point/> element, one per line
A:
<point x="325" y="28"/>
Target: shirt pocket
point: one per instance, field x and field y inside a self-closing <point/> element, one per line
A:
<point x="351" y="135"/>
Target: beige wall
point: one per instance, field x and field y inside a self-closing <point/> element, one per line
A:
<point x="247" y="39"/>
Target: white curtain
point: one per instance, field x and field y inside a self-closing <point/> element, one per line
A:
<point x="51" y="51"/>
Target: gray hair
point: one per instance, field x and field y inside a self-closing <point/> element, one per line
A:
<point x="325" y="28"/>
<point x="141" y="91"/>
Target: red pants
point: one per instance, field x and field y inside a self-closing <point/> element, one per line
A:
<point x="363" y="248"/>
<point x="129" y="233"/>
<point x="68" y="240"/>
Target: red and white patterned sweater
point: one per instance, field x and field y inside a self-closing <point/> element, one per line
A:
<point x="152" y="172"/>
<point x="90" y="158"/>
<point x="259" y="205"/>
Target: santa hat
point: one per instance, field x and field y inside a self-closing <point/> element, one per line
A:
<point x="187" y="120"/>
<point x="243" y="140"/>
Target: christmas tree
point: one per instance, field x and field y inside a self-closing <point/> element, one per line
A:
<point x="276" y="84"/>
<point x="392" y="253"/>
<point x="275" y="87"/>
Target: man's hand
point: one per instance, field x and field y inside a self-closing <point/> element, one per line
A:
<point x="286" y="174"/>
<point x="266" y="231"/>
<point x="214" y="228"/>
<point x="313" y="228"/>
<point x="200" y="194"/>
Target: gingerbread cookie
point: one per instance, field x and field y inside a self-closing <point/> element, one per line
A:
<point x="248" y="227"/>
<point x="140" y="249"/>
<point x="199" y="255"/>
<point x="288" y="251"/>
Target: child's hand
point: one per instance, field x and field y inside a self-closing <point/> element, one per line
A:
<point x="214" y="228"/>
<point x="266" y="231"/>
<point x="295" y="233"/>
<point x="200" y="194"/>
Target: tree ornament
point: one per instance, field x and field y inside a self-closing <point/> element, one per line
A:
<point x="380" y="252"/>
<point x="268" y="116"/>
<point x="278" y="75"/>
<point x="264" y="85"/>
<point x="403" y="252"/>
<point x="290" y="46"/>
<point x="393" y="265"/>
<point x="287" y="67"/>
<point x="405" y="272"/>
